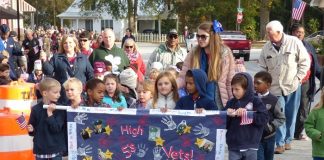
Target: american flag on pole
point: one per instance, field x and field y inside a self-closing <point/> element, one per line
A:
<point x="247" y="117"/>
<point x="298" y="9"/>
<point x="21" y="121"/>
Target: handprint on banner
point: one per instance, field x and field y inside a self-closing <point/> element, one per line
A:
<point x="204" y="131"/>
<point x="80" y="118"/>
<point x="84" y="151"/>
<point x="167" y="120"/>
<point x="141" y="150"/>
<point x="157" y="153"/>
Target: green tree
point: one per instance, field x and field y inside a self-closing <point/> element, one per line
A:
<point x="192" y="13"/>
<point x="46" y="10"/>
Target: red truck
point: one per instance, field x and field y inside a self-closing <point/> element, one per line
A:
<point x="235" y="40"/>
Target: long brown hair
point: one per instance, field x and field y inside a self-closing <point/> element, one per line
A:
<point x="174" y="87"/>
<point x="61" y="48"/>
<point x="215" y="46"/>
<point x="116" y="96"/>
<point x="321" y="102"/>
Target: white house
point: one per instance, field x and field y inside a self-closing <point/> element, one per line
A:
<point x="8" y="13"/>
<point x="93" y="20"/>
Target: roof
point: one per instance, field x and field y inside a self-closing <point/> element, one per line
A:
<point x="74" y="11"/>
<point x="9" y="10"/>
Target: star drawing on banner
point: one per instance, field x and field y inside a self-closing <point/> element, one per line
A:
<point x="89" y="131"/>
<point x="187" y="129"/>
<point x="159" y="141"/>
<point x="108" y="154"/>
<point x="87" y="158"/>
<point x="199" y="142"/>
<point x="108" y="130"/>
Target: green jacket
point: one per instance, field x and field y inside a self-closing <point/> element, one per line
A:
<point x="116" y="56"/>
<point x="314" y="127"/>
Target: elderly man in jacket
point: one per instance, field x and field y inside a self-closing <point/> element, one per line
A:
<point x="287" y="60"/>
<point x="168" y="53"/>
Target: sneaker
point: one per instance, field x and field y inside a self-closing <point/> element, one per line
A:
<point x="287" y="147"/>
<point x="280" y="150"/>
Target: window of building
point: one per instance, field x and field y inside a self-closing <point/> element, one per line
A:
<point x="106" y="24"/>
<point x="89" y="24"/>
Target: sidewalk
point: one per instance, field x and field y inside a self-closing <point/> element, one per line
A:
<point x="301" y="150"/>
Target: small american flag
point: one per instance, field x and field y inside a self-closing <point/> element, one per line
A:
<point x="247" y="118"/>
<point x="21" y="121"/>
<point x="298" y="9"/>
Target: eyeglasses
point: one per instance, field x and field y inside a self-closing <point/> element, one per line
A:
<point x="129" y="47"/>
<point x="203" y="37"/>
<point x="83" y="40"/>
<point x="174" y="36"/>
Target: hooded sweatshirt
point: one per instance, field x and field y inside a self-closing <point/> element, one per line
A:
<point x="189" y="103"/>
<point x="242" y="137"/>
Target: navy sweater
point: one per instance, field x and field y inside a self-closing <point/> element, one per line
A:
<point x="187" y="102"/>
<point x="48" y="132"/>
<point x="238" y="136"/>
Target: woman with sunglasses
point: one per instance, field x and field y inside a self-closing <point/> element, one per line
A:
<point x="135" y="58"/>
<point x="216" y="59"/>
<point x="70" y="62"/>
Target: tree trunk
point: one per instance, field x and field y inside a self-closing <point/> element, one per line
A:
<point x="131" y="16"/>
<point x="264" y="17"/>
<point x="135" y="16"/>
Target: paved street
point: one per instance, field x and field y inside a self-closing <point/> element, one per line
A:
<point x="301" y="149"/>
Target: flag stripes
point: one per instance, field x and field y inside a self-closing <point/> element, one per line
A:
<point x="298" y="9"/>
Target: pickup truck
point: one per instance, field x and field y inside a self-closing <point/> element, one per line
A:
<point x="235" y="40"/>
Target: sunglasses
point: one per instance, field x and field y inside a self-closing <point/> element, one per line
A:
<point x="203" y="37"/>
<point x="83" y="40"/>
<point x="174" y="36"/>
<point x="129" y="47"/>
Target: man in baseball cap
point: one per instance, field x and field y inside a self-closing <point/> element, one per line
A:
<point x="4" y="31"/>
<point x="168" y="53"/>
<point x="7" y="43"/>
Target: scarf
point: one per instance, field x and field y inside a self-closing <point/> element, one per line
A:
<point x="132" y="57"/>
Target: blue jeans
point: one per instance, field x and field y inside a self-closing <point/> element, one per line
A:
<point x="246" y="155"/>
<point x="318" y="158"/>
<point x="266" y="148"/>
<point x="290" y="104"/>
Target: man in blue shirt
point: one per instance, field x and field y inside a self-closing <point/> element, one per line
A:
<point x="7" y="43"/>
